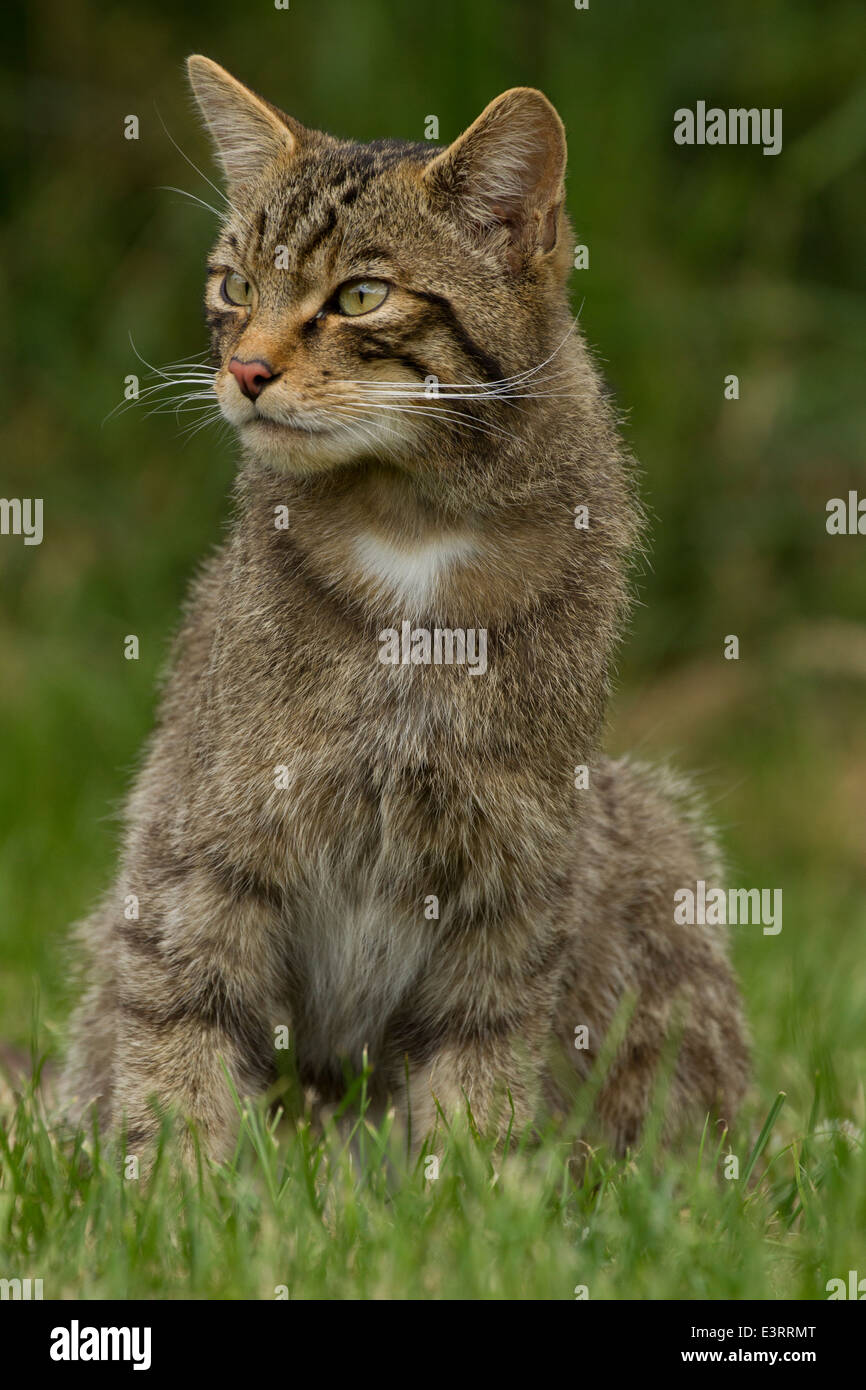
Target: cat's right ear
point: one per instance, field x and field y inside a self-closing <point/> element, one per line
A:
<point x="247" y="131"/>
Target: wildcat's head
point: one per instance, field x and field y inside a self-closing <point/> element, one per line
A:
<point x="383" y="300"/>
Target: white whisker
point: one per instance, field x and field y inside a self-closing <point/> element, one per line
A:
<point x="218" y="191"/>
<point x="176" y="377"/>
<point x="453" y="417"/>
<point x="481" y="390"/>
<point x="170" y="188"/>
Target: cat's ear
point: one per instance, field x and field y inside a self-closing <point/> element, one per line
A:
<point x="505" y="173"/>
<point x="247" y="131"/>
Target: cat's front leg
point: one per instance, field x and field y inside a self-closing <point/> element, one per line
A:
<point x="490" y="1084"/>
<point x="482" y="1052"/>
<point x="195" y="1007"/>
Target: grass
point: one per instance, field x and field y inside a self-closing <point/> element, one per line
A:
<point x="340" y="1214"/>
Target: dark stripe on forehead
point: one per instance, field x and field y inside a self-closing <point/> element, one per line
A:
<point x="320" y="234"/>
<point x="347" y="183"/>
<point x="488" y="366"/>
<point x="300" y="203"/>
<point x="364" y="161"/>
<point x="337" y="179"/>
<point x="384" y="154"/>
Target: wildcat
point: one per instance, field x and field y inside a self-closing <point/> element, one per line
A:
<point x="398" y="855"/>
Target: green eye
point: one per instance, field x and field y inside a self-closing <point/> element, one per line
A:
<point x="360" y="296"/>
<point x="236" y="289"/>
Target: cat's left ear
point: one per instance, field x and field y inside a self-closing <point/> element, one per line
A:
<point x="505" y="173"/>
<point x="248" y="132"/>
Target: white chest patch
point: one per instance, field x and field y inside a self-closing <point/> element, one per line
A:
<point x="411" y="574"/>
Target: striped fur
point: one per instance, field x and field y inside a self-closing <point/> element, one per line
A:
<point x="301" y="805"/>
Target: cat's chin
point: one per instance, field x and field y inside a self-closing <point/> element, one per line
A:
<point x="293" y="449"/>
<point x="299" y="449"/>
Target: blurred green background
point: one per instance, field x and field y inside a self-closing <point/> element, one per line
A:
<point x="703" y="262"/>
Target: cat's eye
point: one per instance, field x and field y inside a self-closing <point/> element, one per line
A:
<point x="236" y="289"/>
<point x="360" y="296"/>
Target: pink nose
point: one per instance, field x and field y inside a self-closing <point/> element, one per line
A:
<point x="251" y="377"/>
